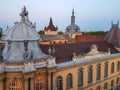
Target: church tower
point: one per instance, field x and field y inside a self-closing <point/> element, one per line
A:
<point x="51" y="29"/>
<point x="72" y="30"/>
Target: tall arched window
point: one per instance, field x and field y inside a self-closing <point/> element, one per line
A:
<point x="59" y="83"/>
<point x="98" y="72"/>
<point x="98" y="88"/>
<point x="118" y="66"/>
<point x="112" y="83"/>
<point x="106" y="69"/>
<point x="15" y="85"/>
<point x="90" y="74"/>
<point x="117" y="80"/>
<point x="80" y="77"/>
<point x="105" y="86"/>
<point x="112" y="68"/>
<point x="39" y="83"/>
<point x="69" y="81"/>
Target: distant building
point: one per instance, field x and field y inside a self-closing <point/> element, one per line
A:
<point x="72" y="30"/>
<point x="56" y="39"/>
<point x="113" y="36"/>
<point x="51" y="29"/>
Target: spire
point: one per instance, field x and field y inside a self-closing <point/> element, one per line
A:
<point x="50" y="23"/>
<point x="73" y="17"/>
<point x="73" y="12"/>
<point x="24" y="13"/>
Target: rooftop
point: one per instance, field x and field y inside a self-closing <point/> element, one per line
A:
<point x="64" y="52"/>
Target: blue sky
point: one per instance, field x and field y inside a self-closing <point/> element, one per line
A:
<point x="91" y="15"/>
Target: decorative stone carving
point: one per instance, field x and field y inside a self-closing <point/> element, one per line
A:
<point x="92" y="54"/>
<point x="53" y="51"/>
<point x="49" y="51"/>
<point x="28" y="66"/>
<point x="51" y="62"/>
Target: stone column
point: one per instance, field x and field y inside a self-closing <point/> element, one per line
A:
<point x="85" y="76"/>
<point x="102" y="71"/>
<point x="94" y="73"/>
<point x="32" y="83"/>
<point x="49" y="81"/>
<point x="26" y="84"/>
<point x="2" y="84"/>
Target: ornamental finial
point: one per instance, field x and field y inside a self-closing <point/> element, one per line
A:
<point x="24" y="13"/>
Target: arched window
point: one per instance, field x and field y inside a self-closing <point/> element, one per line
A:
<point x="98" y="72"/>
<point x="118" y="66"/>
<point x="69" y="81"/>
<point x="112" y="83"/>
<point x="98" y="88"/>
<point x="80" y="77"/>
<point x="117" y="80"/>
<point x="59" y="83"/>
<point x="106" y="69"/>
<point x="105" y="86"/>
<point x="39" y="83"/>
<point x="112" y="68"/>
<point x="15" y="85"/>
<point x="90" y="74"/>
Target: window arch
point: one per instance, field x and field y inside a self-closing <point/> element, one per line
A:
<point x="112" y="83"/>
<point x="98" y="88"/>
<point x="98" y="72"/>
<point x="90" y="74"/>
<point x="105" y="86"/>
<point x="106" y="69"/>
<point x="112" y="68"/>
<point x="80" y="77"/>
<point x="39" y="83"/>
<point x="69" y="81"/>
<point x="15" y="85"/>
<point x="118" y="66"/>
<point x="59" y="83"/>
<point x="118" y="80"/>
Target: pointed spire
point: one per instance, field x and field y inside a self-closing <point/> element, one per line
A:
<point x="50" y="23"/>
<point x="73" y="17"/>
<point x="73" y="12"/>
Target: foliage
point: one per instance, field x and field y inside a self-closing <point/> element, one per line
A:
<point x="95" y="33"/>
<point x="60" y="32"/>
<point x="41" y="32"/>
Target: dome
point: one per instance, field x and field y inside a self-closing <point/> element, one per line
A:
<point x="23" y="30"/>
<point x="72" y="28"/>
<point x="21" y="41"/>
<point x="20" y="31"/>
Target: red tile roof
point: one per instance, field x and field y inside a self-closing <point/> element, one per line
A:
<point x="89" y="38"/>
<point x="64" y="52"/>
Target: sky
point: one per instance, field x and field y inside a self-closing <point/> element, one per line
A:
<point x="91" y="15"/>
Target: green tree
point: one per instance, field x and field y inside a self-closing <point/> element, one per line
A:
<point x="60" y="32"/>
<point x="41" y="32"/>
<point x="95" y="33"/>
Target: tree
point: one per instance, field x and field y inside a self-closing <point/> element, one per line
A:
<point x="95" y="33"/>
<point x="41" y="32"/>
<point x="60" y="32"/>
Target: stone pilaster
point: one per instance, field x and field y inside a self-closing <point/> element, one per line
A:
<point x="26" y="84"/>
